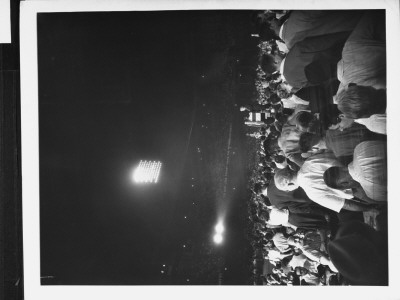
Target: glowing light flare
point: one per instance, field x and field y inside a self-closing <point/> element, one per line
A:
<point x="147" y="172"/>
<point x="218" y="238"/>
<point x="219" y="228"/>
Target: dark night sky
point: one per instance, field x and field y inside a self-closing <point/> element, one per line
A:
<point x="115" y="88"/>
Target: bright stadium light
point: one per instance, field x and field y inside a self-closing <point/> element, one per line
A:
<point x="218" y="238"/>
<point x="147" y="172"/>
<point x="219" y="228"/>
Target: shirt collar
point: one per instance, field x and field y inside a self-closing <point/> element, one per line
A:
<point x="281" y="30"/>
<point x="281" y="69"/>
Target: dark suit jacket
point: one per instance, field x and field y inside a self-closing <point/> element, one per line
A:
<point x="302" y="24"/>
<point x="296" y="201"/>
<point x="314" y="60"/>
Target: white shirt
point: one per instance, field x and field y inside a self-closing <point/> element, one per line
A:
<point x="281" y="69"/>
<point x="311" y="178"/>
<point x="375" y="123"/>
<point x="369" y="168"/>
<point x="278" y="216"/>
<point x="293" y="101"/>
<point x="282" y="47"/>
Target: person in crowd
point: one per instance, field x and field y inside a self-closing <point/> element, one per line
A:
<point x="310" y="245"/>
<point x="310" y="62"/>
<point x="368" y="169"/>
<point x="302" y="24"/>
<point x="341" y="142"/>
<point x="364" y="54"/>
<point x="365" y="105"/>
<point x="307" y="276"/>
<point x="311" y="178"/>
<point x="295" y="220"/>
<point x="360" y="253"/>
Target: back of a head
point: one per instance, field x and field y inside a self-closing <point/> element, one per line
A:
<point x="307" y="141"/>
<point x="304" y="119"/>
<point x="330" y="177"/>
<point x="271" y="145"/>
<point x="360" y="254"/>
<point x="268" y="64"/>
<point x="282" y="176"/>
<point x="361" y="101"/>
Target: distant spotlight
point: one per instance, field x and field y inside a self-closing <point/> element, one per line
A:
<point x="147" y="172"/>
<point x="218" y="238"/>
<point x="219" y="228"/>
<point x="163" y="265"/>
<point x="162" y="272"/>
<point x="184" y="246"/>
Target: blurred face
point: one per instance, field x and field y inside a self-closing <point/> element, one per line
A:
<point x="290" y="185"/>
<point x="300" y="271"/>
<point x="345" y="181"/>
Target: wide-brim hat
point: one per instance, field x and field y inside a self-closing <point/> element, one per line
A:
<point x="360" y="254"/>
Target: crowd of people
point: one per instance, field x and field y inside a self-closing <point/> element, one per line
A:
<point x="322" y="156"/>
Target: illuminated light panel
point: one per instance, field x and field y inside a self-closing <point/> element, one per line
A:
<point x="147" y="172"/>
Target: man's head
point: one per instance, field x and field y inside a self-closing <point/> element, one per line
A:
<point x="264" y="216"/>
<point x="306" y="122"/>
<point x="271" y="145"/>
<point x="301" y="271"/>
<point x="286" y="180"/>
<point x="361" y="101"/>
<point x="295" y="241"/>
<point x="267" y="34"/>
<point x="310" y="142"/>
<point x="270" y="63"/>
<point x="339" y="178"/>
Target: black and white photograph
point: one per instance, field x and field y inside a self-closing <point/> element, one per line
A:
<point x="207" y="145"/>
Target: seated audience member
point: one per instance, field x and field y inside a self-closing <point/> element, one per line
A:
<point x="365" y="105"/>
<point x="360" y="254"/>
<point x="311" y="143"/>
<point x="311" y="178"/>
<point x="310" y="62"/>
<point x="364" y="54"/>
<point x="343" y="142"/>
<point x="302" y="24"/>
<point x="308" y="122"/>
<point x="280" y="241"/>
<point x="295" y="220"/>
<point x="368" y="168"/>
<point x="311" y="278"/>
<point x="310" y="245"/>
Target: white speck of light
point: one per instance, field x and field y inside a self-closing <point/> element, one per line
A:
<point x="162" y="272"/>
<point x="163" y="265"/>
<point x="185" y="217"/>
<point x="184" y="246"/>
